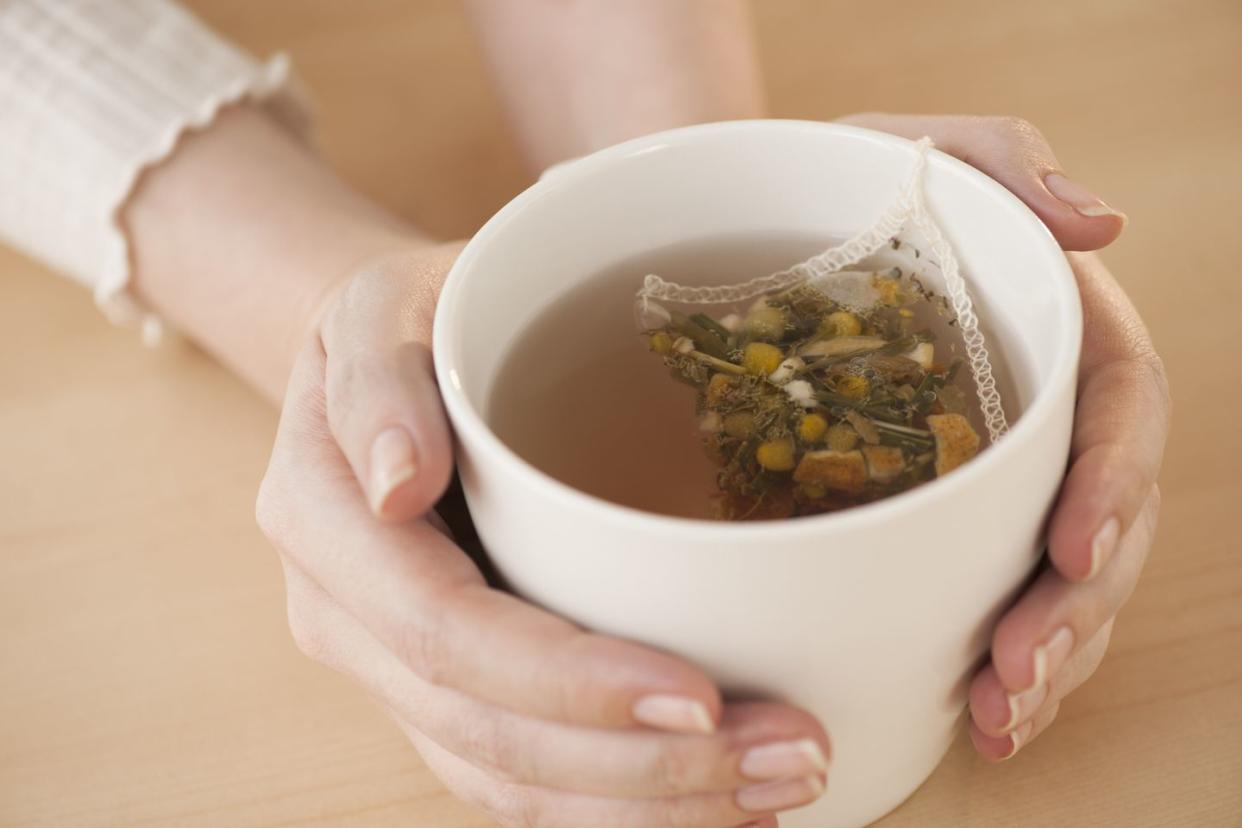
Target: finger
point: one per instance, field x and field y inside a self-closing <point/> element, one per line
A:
<point x="421" y="597"/>
<point x="383" y="405"/>
<point x="1120" y="427"/>
<point x="1014" y="152"/>
<point x="755" y="742"/>
<point x="1081" y="665"/>
<point x="522" y="805"/>
<point x="996" y="746"/>
<point x="996" y="712"/>
<point x="1000" y="748"/>
<point x="1037" y="636"/>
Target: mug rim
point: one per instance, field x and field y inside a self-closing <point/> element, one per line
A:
<point x="472" y="429"/>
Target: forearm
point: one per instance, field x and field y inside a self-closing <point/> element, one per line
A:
<point x="240" y="237"/>
<point x="581" y="75"/>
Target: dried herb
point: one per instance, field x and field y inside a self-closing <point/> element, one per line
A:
<point x="810" y="407"/>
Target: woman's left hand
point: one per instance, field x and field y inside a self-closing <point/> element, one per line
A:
<point x="1054" y="637"/>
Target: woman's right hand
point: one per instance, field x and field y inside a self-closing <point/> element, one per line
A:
<point x="518" y="711"/>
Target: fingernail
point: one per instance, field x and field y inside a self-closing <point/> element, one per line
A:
<point x="1023" y="705"/>
<point x="783" y="760"/>
<point x="1017" y="739"/>
<point x="1084" y="202"/>
<point x="1103" y="544"/>
<point x="674" y="713"/>
<point x="392" y="463"/>
<point x="1050" y="655"/>
<point x="777" y="796"/>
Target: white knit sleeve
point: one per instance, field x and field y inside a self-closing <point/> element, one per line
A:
<point x="92" y="92"/>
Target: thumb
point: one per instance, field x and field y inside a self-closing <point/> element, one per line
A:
<point x="383" y="405"/>
<point x="1014" y="152"/>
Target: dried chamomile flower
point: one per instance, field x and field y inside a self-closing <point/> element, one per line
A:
<point x="809" y="406"/>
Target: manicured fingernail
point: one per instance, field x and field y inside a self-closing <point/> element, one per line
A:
<point x="1017" y="739"/>
<point x="1050" y="655"/>
<point x="1084" y="202"/>
<point x="777" y="796"/>
<point x="783" y="760"/>
<point x="393" y="461"/>
<point x="1023" y="705"/>
<point x="674" y="713"/>
<point x="1103" y="544"/>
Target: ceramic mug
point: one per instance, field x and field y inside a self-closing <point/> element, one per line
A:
<point x="873" y="618"/>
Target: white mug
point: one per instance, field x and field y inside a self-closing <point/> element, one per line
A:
<point x="873" y="618"/>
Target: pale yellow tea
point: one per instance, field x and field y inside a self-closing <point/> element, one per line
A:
<point x="694" y="419"/>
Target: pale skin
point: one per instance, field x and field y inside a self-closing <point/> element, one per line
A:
<point x="249" y="244"/>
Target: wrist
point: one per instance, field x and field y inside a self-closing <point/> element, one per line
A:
<point x="318" y="297"/>
<point x="241" y="238"/>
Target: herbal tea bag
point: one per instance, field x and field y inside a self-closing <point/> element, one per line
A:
<point x="848" y="377"/>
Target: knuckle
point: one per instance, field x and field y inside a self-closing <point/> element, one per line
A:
<point x="514" y="806"/>
<point x="1099" y="645"/>
<point x="1150" y="363"/>
<point x="348" y="304"/>
<point x="424" y="645"/>
<point x="1135" y="359"/>
<point x="1012" y="636"/>
<point x="685" y="812"/>
<point x="802" y="721"/>
<point x="985" y="688"/>
<point x="488" y="743"/>
<point x="573" y="699"/>
<point x="1049" y="716"/>
<point x="307" y="632"/>
<point x="1154" y="501"/>
<point x="347" y="379"/>
<point x="1148" y="518"/>
<point x="1141" y="368"/>
<point x="282" y="496"/>
<point x="1012" y="127"/>
<point x="674" y="768"/>
<point x="1081" y="666"/>
<point x="269" y="511"/>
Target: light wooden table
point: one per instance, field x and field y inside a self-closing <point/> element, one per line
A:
<point x="146" y="676"/>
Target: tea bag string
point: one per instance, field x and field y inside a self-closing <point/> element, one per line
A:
<point x="908" y="209"/>
<point x="959" y="297"/>
<point x="859" y="247"/>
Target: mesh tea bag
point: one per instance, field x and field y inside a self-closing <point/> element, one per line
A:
<point x="853" y="375"/>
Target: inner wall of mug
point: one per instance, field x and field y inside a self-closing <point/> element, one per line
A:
<point x="756" y="178"/>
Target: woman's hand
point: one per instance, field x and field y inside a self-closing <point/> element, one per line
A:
<point x="1102" y="527"/>
<point x="240" y="240"/>
<point x="518" y="711"/>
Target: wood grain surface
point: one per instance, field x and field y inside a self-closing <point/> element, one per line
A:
<point x="146" y="674"/>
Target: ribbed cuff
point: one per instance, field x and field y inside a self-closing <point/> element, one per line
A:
<point x="95" y="93"/>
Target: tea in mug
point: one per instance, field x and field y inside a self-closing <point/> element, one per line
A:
<point x="789" y="405"/>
